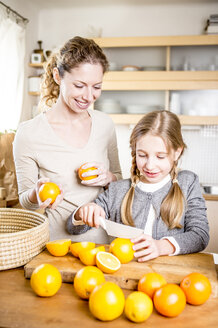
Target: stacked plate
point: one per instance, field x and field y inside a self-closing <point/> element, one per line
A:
<point x="153" y="68"/>
<point x="109" y="106"/>
<point x="137" y="109"/>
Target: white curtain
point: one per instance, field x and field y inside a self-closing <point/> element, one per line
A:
<point x="12" y="52"/>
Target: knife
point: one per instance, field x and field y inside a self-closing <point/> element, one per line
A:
<point x="119" y="230"/>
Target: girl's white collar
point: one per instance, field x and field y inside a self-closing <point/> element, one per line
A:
<point x="151" y="187"/>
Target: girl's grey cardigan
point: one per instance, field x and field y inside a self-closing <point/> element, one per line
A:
<point x="194" y="234"/>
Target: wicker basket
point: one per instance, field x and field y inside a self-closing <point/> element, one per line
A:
<point x="23" y="235"/>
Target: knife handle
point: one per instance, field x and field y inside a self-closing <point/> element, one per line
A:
<point x="102" y="223"/>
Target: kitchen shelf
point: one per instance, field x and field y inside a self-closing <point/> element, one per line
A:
<point x="34" y="93"/>
<point x="160" y="80"/>
<point x="184" y="119"/>
<point x="39" y="65"/>
<point x="210" y="197"/>
<point x="157" y="41"/>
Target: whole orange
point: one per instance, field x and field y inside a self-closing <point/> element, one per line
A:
<point x="138" y="307"/>
<point x="150" y="282"/>
<point x="49" y="190"/>
<point x="107" y="301"/>
<point x="86" y="279"/>
<point x="197" y="288"/>
<point x="46" y="280"/>
<point x="81" y="171"/>
<point x="122" y="249"/>
<point x="169" y="300"/>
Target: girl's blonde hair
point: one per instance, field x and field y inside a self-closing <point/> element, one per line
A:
<point x="76" y="51"/>
<point x="166" y="125"/>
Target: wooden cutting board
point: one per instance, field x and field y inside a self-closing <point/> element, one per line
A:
<point x="173" y="268"/>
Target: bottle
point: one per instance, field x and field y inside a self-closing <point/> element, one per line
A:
<point x="175" y="105"/>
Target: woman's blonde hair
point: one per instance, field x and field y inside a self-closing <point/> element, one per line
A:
<point x="76" y="51"/>
<point x="166" y="125"/>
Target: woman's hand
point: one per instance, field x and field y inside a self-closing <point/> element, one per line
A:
<point x="89" y="214"/>
<point x="104" y="176"/>
<point x="147" y="248"/>
<point x="34" y="196"/>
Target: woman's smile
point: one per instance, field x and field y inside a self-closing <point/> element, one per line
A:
<point x="82" y="104"/>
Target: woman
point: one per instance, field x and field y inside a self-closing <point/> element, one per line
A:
<point x="53" y="145"/>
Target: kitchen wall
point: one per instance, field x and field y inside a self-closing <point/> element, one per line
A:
<point x="122" y="18"/>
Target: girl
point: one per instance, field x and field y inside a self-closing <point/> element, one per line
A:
<point x="165" y="203"/>
<point x="54" y="144"/>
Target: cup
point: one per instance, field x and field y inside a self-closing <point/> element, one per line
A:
<point x="175" y="103"/>
<point x="47" y="53"/>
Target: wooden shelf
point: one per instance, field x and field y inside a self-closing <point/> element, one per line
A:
<point x="39" y="65"/>
<point x="210" y="197"/>
<point x="34" y="93"/>
<point x="184" y="119"/>
<point x="161" y="80"/>
<point x="161" y="75"/>
<point x="157" y="41"/>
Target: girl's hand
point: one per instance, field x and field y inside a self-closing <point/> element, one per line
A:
<point x="89" y="214"/>
<point x="34" y="196"/>
<point x="147" y="248"/>
<point x="104" y="176"/>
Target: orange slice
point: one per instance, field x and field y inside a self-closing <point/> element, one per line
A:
<point x="107" y="262"/>
<point x="58" y="247"/>
<point x="76" y="248"/>
<point x="88" y="257"/>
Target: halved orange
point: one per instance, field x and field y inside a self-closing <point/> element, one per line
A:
<point x="107" y="262"/>
<point x="88" y="257"/>
<point x="59" y="247"/>
<point x="76" y="248"/>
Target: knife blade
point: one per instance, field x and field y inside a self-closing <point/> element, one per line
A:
<point x="119" y="230"/>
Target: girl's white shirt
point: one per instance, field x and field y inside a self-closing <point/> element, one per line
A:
<point x="152" y="187"/>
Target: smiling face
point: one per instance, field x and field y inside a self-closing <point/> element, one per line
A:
<point x="80" y="88"/>
<point x="153" y="158"/>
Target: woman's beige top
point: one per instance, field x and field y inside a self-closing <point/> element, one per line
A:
<point x="39" y="152"/>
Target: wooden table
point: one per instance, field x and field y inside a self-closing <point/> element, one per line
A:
<point x="21" y="308"/>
